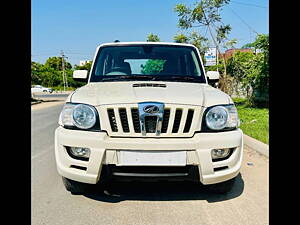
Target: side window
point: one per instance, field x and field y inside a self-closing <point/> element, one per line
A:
<point x="195" y="66"/>
<point x="104" y="68"/>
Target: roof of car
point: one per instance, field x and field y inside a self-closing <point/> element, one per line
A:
<point x="144" y="43"/>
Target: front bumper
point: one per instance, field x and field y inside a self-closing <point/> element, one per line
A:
<point x="105" y="150"/>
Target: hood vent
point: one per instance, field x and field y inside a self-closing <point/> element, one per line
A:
<point x="149" y="85"/>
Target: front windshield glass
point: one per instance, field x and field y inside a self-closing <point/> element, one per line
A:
<point x="154" y="62"/>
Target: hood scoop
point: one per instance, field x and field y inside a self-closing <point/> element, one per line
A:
<point x="149" y="85"/>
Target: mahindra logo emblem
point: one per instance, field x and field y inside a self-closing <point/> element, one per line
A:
<point x="151" y="109"/>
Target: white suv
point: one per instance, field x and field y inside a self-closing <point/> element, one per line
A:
<point x="148" y="113"/>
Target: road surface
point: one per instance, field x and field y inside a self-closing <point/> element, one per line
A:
<point x="139" y="203"/>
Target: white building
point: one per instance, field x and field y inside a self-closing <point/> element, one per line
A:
<point x="83" y="62"/>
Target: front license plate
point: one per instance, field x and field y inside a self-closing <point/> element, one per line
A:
<point x="152" y="158"/>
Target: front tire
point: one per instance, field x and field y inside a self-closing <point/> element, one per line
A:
<point x="75" y="187"/>
<point x="222" y="188"/>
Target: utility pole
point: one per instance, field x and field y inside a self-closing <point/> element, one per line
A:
<point x="217" y="59"/>
<point x="63" y="69"/>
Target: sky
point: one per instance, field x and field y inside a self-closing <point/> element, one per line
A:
<point x="77" y="27"/>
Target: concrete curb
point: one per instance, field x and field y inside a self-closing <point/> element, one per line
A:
<point x="36" y="102"/>
<point x="256" y="145"/>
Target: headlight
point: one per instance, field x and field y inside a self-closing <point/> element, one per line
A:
<point x="222" y="117"/>
<point x="78" y="115"/>
<point x="84" y="116"/>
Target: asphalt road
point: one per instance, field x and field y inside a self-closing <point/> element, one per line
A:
<point x="140" y="203"/>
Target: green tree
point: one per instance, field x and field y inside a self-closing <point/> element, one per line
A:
<point x="261" y="70"/>
<point x="262" y="42"/>
<point x="195" y="39"/>
<point x="252" y="70"/>
<point x="153" y="38"/>
<point x="50" y="74"/>
<point x="206" y="13"/>
<point x="230" y="44"/>
<point x="35" y="73"/>
<point x="240" y="67"/>
<point x="56" y="63"/>
<point x="153" y="66"/>
<point x="180" y="38"/>
<point x="54" y="71"/>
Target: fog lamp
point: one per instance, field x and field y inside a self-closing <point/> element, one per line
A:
<point x="80" y="152"/>
<point x="220" y="153"/>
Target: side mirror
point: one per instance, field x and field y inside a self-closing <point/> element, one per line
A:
<point x="80" y="75"/>
<point x="213" y="75"/>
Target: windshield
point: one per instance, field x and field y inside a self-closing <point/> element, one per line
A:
<point x="147" y="62"/>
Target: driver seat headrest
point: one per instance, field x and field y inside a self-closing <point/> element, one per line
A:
<point x="125" y="67"/>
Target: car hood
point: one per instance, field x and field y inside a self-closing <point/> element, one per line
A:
<point x="102" y="93"/>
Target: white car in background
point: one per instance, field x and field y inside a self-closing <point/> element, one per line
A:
<point x="39" y="88"/>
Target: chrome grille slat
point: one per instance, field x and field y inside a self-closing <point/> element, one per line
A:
<point x="124" y="120"/>
<point x="165" y="121"/>
<point x="130" y="122"/>
<point x="183" y="120"/>
<point x="171" y="120"/>
<point x="112" y="120"/>
<point x="177" y="120"/>
<point x="136" y="120"/>
<point x="189" y="120"/>
<point x="119" y="125"/>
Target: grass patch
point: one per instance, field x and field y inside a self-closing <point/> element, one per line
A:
<point x="60" y="88"/>
<point x="254" y="121"/>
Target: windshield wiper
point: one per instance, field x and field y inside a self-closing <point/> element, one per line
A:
<point x="125" y="77"/>
<point x="184" y="77"/>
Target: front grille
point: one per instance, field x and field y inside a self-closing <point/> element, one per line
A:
<point x="176" y="121"/>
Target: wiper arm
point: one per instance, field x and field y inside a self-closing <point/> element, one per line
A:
<point x="120" y="77"/>
<point x="183" y="77"/>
